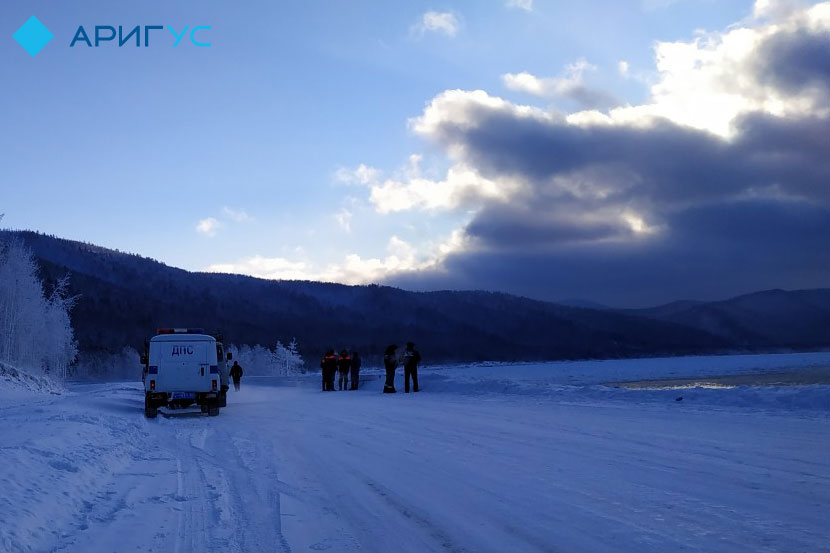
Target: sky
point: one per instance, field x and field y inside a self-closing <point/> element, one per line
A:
<point x="623" y="152"/>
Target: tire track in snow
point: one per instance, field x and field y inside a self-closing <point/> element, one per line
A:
<point x="421" y="519"/>
<point x="190" y="491"/>
<point x="259" y="477"/>
<point x="240" y="489"/>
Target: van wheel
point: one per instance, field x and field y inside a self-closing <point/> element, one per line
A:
<point x="150" y="409"/>
<point x="213" y="410"/>
<point x="204" y="408"/>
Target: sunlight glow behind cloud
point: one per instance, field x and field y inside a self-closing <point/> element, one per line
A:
<point x="730" y="134"/>
<point x="401" y="257"/>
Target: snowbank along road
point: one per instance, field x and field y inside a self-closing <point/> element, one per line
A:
<point x="287" y="468"/>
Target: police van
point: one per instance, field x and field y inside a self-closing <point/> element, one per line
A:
<point x="182" y="368"/>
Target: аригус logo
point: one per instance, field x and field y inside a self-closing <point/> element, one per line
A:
<point x="33" y="36"/>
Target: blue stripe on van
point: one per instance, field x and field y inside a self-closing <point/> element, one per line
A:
<point x="214" y="369"/>
<point x="153" y="369"/>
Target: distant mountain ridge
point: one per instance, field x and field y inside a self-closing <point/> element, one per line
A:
<point x="796" y="319"/>
<point x="125" y="297"/>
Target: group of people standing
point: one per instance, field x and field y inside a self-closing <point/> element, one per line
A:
<point x="410" y="360"/>
<point x="346" y="365"/>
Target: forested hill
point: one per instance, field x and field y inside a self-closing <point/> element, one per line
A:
<point x="798" y="319"/>
<point x="123" y="298"/>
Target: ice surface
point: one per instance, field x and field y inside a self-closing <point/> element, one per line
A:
<point x="501" y="458"/>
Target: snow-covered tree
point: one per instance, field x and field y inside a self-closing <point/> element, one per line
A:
<point x="261" y="361"/>
<point x="255" y="360"/>
<point x="35" y="330"/>
<point x="295" y="363"/>
<point x="123" y="365"/>
<point x="287" y="359"/>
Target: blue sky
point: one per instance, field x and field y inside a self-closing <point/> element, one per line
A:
<point x="132" y="148"/>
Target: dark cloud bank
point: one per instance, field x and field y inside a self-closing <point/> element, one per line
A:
<point x="719" y="217"/>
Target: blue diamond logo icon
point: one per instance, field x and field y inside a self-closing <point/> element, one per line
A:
<point x="33" y="36"/>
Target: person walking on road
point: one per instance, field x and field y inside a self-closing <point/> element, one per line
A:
<point x="390" y="362"/>
<point x="355" y="371"/>
<point x="411" y="358"/>
<point x="329" y="366"/>
<point x="236" y="375"/>
<point x="344" y="365"/>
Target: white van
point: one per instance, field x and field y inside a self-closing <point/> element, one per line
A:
<point x="182" y="369"/>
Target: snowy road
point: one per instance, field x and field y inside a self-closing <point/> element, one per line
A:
<point x="287" y="468"/>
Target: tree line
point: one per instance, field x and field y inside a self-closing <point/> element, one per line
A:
<point x="37" y="336"/>
<point x="120" y="299"/>
<point x="35" y="328"/>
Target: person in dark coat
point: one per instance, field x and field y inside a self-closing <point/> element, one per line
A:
<point x="411" y="358"/>
<point x="355" y="371"/>
<point x="328" y="364"/>
<point x="390" y="363"/>
<point x="236" y="374"/>
<point x="344" y="365"/>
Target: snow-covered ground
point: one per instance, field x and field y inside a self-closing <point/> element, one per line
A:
<point x="17" y="383"/>
<point x="531" y="457"/>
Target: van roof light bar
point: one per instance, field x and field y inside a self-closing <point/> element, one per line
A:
<point x="180" y="331"/>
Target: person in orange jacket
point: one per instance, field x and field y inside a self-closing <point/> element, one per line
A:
<point x="328" y="364"/>
<point x="344" y="365"/>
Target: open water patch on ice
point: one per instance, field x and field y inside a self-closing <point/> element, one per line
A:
<point x="811" y="377"/>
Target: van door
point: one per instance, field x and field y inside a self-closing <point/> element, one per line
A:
<point x="184" y="365"/>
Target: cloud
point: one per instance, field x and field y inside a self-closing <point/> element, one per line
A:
<point x="609" y="162"/>
<point x="622" y="68"/>
<point x="264" y="267"/>
<point x="208" y="227"/>
<point x="401" y="257"/>
<point x="797" y="63"/>
<point x="711" y="254"/>
<point x="408" y="188"/>
<point x="344" y="219"/>
<point x="446" y="23"/>
<point x="526" y="5"/>
<point x="654" y="5"/>
<point x="717" y="185"/>
<point x="710" y="82"/>
<point x="361" y="175"/>
<point x="235" y="215"/>
<point x="571" y="85"/>
<point x="777" y="9"/>
<point x="461" y="185"/>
